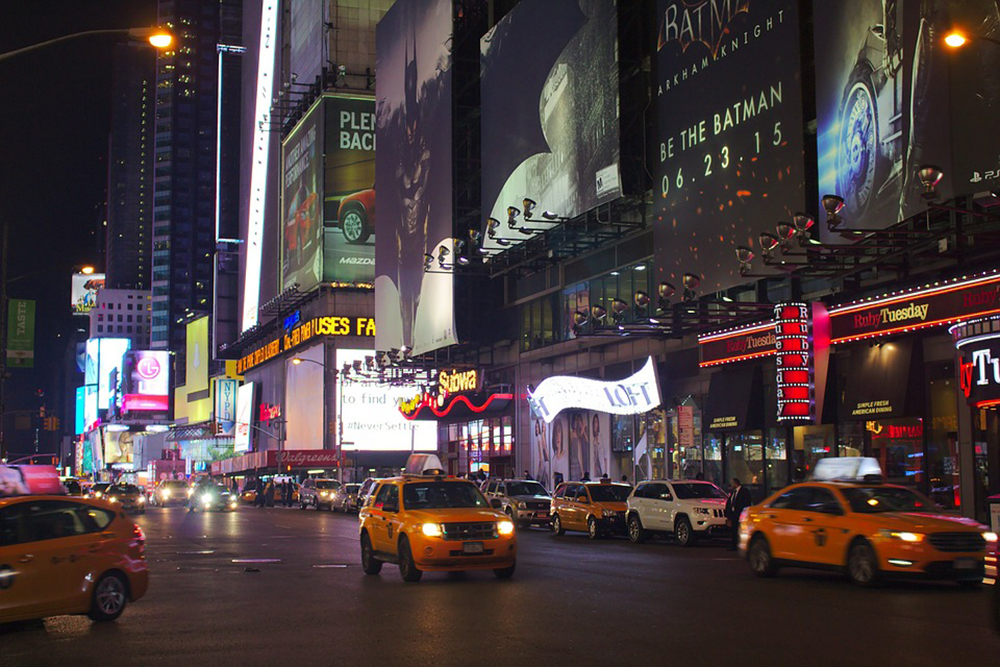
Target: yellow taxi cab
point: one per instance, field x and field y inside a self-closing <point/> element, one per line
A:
<point x="68" y="555"/>
<point x="426" y="521"/>
<point x="868" y="529"/>
<point x="595" y="507"/>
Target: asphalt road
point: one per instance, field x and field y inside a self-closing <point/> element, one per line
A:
<point x="571" y="602"/>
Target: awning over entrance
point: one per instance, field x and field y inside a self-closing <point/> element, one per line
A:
<point x="878" y="382"/>
<point x="735" y="400"/>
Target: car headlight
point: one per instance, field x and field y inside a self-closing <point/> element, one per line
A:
<point x="431" y="529"/>
<point x="112" y="499"/>
<point x="702" y="510"/>
<point x="98" y="494"/>
<point x="323" y="494"/>
<point x="142" y="499"/>
<point x="505" y="527"/>
<point x="990" y="536"/>
<point x="607" y="514"/>
<point x="522" y="505"/>
<point x="164" y="494"/>
<point x="903" y="535"/>
<point x="190" y="492"/>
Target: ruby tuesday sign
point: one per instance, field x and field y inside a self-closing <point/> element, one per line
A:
<point x="633" y="395"/>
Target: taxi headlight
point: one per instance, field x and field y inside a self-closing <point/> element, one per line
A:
<point x="164" y="494"/>
<point x="112" y="499"/>
<point x="190" y="492"/>
<point x="323" y="494"/>
<point x="98" y="494"/>
<point x="990" y="536"/>
<point x="608" y="514"/>
<point x="903" y="535"/>
<point x="521" y="505"/>
<point x="702" y="510"/>
<point x="505" y="527"/>
<point x="431" y="529"/>
<point x="142" y="499"/>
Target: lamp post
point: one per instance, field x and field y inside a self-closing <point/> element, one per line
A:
<point x="157" y="37"/>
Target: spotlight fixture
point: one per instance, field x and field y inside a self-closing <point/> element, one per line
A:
<point x="802" y="222"/>
<point x="786" y="232"/>
<point x="744" y="255"/>
<point x="666" y="290"/>
<point x="619" y="306"/>
<point x="598" y="312"/>
<point x="929" y="176"/>
<point x="641" y="299"/>
<point x="580" y="318"/>
<point x="549" y="215"/>
<point x="529" y="206"/>
<point x="512" y="213"/>
<point x="491" y="230"/>
<point x="833" y="204"/>
<point x="428" y="261"/>
<point x="768" y="242"/>
<point x="442" y="257"/>
<point x="459" y="245"/>
<point x="475" y="236"/>
<point x="691" y="282"/>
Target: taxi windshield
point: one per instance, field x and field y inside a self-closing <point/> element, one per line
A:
<point x="604" y="493"/>
<point x="439" y="495"/>
<point x="525" y="489"/>
<point x="875" y="499"/>
<point x="173" y="484"/>
<point x="691" y="490"/>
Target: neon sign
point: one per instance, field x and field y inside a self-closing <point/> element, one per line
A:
<point x="794" y="362"/>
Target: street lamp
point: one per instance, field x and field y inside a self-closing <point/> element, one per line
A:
<point x="957" y="38"/>
<point x="157" y="37"/>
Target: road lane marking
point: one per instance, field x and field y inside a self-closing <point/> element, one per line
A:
<point x="256" y="560"/>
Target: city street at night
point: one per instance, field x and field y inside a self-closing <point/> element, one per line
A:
<point x="571" y="601"/>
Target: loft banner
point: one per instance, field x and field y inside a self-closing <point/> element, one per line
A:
<point x="631" y="396"/>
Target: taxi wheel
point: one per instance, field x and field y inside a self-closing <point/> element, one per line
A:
<point x="505" y="572"/>
<point x="593" y="532"/>
<point x="109" y="598"/>
<point x="760" y="559"/>
<point x="302" y="505"/>
<point x="557" y="526"/>
<point x="636" y="533"/>
<point x="862" y="565"/>
<point x="369" y="563"/>
<point x="683" y="533"/>
<point x="407" y="567"/>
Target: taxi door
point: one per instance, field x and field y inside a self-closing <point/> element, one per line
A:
<point x="384" y="522"/>
<point x="376" y="517"/>
<point x="825" y="531"/>
<point x="582" y="506"/>
<point x="781" y="522"/>
<point x="18" y="574"/>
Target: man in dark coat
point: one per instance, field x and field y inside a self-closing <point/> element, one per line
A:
<point x="739" y="499"/>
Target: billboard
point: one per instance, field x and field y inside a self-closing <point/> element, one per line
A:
<point x="349" y="190"/>
<point x="244" y="417"/>
<point x="225" y="405"/>
<point x="371" y="420"/>
<point x="304" y="400"/>
<point x="105" y="361"/>
<point x="302" y="204"/>
<point x="146" y="381"/>
<point x="81" y="411"/>
<point x="196" y="359"/>
<point x="306" y="39"/>
<point x="414" y="169"/>
<point x="890" y="97"/>
<point x="557" y="143"/>
<point x="20" y="333"/>
<point x="119" y="448"/>
<point x="83" y="291"/>
<point x="729" y="162"/>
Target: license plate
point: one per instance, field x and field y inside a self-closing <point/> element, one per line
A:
<point x="543" y="515"/>
<point x="965" y="564"/>
<point x="472" y="548"/>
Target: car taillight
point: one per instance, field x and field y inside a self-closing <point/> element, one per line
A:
<point x="138" y="538"/>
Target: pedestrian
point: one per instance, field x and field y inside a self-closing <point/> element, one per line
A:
<point x="269" y="494"/>
<point x="739" y="500"/>
<point x="624" y="479"/>
<point x="700" y="477"/>
<point x="605" y="478"/>
<point x="586" y="476"/>
<point x="527" y="475"/>
<point x="288" y="492"/>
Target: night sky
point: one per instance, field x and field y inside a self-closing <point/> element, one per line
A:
<point x="54" y="123"/>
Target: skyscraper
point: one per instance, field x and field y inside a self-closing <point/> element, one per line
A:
<point x="130" y="168"/>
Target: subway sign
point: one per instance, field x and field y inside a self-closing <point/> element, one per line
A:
<point x="362" y="327"/>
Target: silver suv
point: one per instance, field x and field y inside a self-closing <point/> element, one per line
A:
<point x="525" y="501"/>
<point x="318" y="493"/>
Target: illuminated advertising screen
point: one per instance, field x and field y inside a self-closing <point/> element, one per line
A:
<point x="302" y="203"/>
<point x="891" y="97"/>
<point x="104" y="364"/>
<point x="119" y="447"/>
<point x="370" y="417"/>
<point x="80" y="413"/>
<point x="225" y="405"/>
<point x="244" y="417"/>
<point x="304" y="399"/>
<point x="349" y="190"/>
<point x="414" y="172"/>
<point x="197" y="356"/>
<point x="83" y="291"/>
<point x="146" y="381"/>
<point x="558" y="144"/>
<point x="90" y="413"/>
<point x="728" y="162"/>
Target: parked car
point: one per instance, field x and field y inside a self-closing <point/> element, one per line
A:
<point x="597" y="508"/>
<point x="869" y="530"/>
<point x="525" y="501"/>
<point x="346" y="498"/>
<point x="72" y="556"/>
<point x="129" y="496"/>
<point x="686" y="509"/>
<point x="171" y="492"/>
<point x="318" y="493"/>
<point x="366" y="489"/>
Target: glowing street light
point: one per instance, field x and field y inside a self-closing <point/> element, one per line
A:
<point x="955" y="39"/>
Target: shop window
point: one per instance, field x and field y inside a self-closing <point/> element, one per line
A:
<point x="810" y="444"/>
<point x="898" y="444"/>
<point x="776" y="456"/>
<point x="942" y="443"/>
<point x="713" y="459"/>
<point x="684" y="434"/>
<point x="745" y="460"/>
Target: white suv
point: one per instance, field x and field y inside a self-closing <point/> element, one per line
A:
<point x="687" y="509"/>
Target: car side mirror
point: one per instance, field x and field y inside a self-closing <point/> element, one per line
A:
<point x="496" y="503"/>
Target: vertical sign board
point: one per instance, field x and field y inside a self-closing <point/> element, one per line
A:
<point x="225" y="405"/>
<point x="730" y="155"/>
<point x="244" y="417"/>
<point x="413" y="127"/>
<point x="21" y="333"/>
<point x="794" y="362"/>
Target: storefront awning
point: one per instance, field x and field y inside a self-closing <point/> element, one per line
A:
<point x="878" y="382"/>
<point x="735" y="400"/>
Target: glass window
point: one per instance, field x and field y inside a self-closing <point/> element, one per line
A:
<point x="436" y="495"/>
<point x="745" y="459"/>
<point x="602" y="493"/>
<point x="327" y="484"/>
<point x="690" y="490"/>
<point x="658" y="492"/>
<point x="810" y="444"/>
<point x="776" y="454"/>
<point x="792" y="499"/>
<point x="52" y="519"/>
<point x="526" y="489"/>
<point x="942" y="443"/>
<point x="713" y="458"/>
<point x="898" y="444"/>
<point x="875" y="499"/>
<point x="817" y="499"/>
<point x="10" y="525"/>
